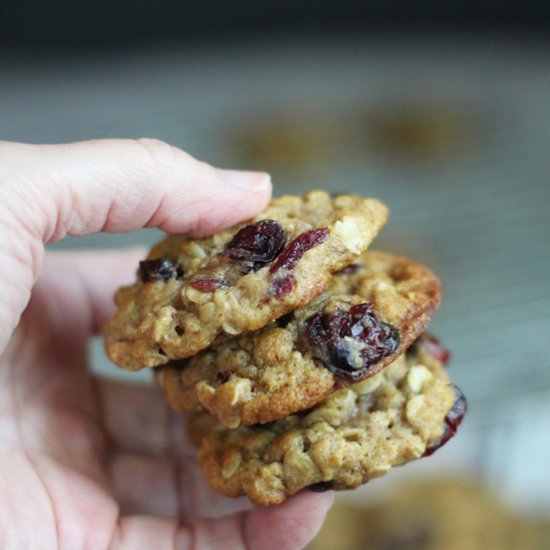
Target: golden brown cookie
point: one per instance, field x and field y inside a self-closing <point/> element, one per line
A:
<point x="370" y="313"/>
<point x="193" y="292"/>
<point x="406" y="411"/>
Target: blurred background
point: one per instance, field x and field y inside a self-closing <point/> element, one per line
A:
<point x="441" y="109"/>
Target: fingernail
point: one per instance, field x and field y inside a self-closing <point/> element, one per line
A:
<point x="250" y="181"/>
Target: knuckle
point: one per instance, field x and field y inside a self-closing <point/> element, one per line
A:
<point x="163" y="153"/>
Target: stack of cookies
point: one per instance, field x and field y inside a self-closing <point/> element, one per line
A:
<point x="301" y="354"/>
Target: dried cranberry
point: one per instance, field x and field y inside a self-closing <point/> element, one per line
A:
<point x="452" y="422"/>
<point x="298" y="247"/>
<point x="433" y="347"/>
<point x="161" y="269"/>
<point x="207" y="285"/>
<point x="349" y="343"/>
<point x="280" y="287"/>
<point x="224" y="376"/>
<point x="258" y="243"/>
<point x="320" y="487"/>
<point x="348" y="270"/>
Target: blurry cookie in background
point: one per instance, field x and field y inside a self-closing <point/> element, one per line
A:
<point x="287" y="139"/>
<point x="421" y="130"/>
<point x="298" y="139"/>
<point x="432" y="515"/>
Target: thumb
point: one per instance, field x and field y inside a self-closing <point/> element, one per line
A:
<point x="50" y="191"/>
<point x="289" y="526"/>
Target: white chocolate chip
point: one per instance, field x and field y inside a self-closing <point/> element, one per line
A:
<point x="230" y="330"/>
<point x="193" y="249"/>
<point x="413" y="407"/>
<point x="241" y="391"/>
<point x="416" y="378"/>
<point x="204" y="390"/>
<point x="368" y="385"/>
<point x="382" y="286"/>
<point x="348" y="231"/>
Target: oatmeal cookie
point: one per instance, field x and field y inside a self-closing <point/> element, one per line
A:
<point x="370" y="313"/>
<point x="406" y="411"/>
<point x="191" y="293"/>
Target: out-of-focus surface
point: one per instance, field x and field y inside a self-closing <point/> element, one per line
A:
<point x="451" y="132"/>
<point x="447" y="514"/>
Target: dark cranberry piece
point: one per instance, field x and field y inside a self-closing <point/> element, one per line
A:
<point x="348" y="270"/>
<point x="161" y="269"/>
<point x="430" y="344"/>
<point x="207" y="285"/>
<point x="280" y="287"/>
<point x="349" y="343"/>
<point x="224" y="376"/>
<point x="320" y="487"/>
<point x="452" y="422"/>
<point x="434" y="348"/>
<point x="298" y="247"/>
<point x="258" y="243"/>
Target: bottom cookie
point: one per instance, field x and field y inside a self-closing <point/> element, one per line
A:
<point x="406" y="411"/>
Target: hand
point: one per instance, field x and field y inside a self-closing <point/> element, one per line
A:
<point x="87" y="463"/>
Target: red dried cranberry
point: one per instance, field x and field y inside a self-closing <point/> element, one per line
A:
<point x="298" y="247"/>
<point x="452" y="422"/>
<point x="207" y="285"/>
<point x="349" y="343"/>
<point x="320" y="487"/>
<point x="224" y="376"/>
<point x="258" y="243"/>
<point x="348" y="270"/>
<point x="161" y="269"/>
<point x="433" y="347"/>
<point x="430" y="344"/>
<point x="280" y="287"/>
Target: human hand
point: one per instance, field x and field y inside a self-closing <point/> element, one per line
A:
<point x="87" y="463"/>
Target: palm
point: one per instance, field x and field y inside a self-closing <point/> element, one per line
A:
<point x="81" y="452"/>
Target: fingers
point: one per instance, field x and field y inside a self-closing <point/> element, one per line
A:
<point x="50" y="191"/>
<point x="122" y="185"/>
<point x="289" y="526"/>
<point x="97" y="276"/>
<point x="145" y="485"/>
<point x="153" y="466"/>
<point x="166" y="487"/>
<point x="136" y="418"/>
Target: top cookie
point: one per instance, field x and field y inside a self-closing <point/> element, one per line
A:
<point x="193" y="292"/>
<point x="370" y="313"/>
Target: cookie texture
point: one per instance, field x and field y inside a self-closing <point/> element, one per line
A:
<point x="191" y="293"/>
<point x="300" y="359"/>
<point x="356" y="434"/>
